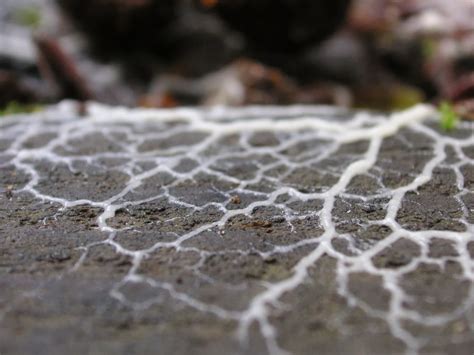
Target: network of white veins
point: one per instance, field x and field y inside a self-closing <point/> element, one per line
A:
<point x="294" y="124"/>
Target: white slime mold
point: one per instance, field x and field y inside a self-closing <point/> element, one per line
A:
<point x="143" y="145"/>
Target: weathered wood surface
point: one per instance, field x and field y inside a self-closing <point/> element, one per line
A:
<point x="245" y="231"/>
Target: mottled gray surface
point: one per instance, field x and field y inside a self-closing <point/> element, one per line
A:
<point x="224" y="232"/>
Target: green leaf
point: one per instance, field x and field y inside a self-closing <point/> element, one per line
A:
<point x="448" y="117"/>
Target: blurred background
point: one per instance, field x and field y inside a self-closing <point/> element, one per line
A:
<point x="377" y="54"/>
